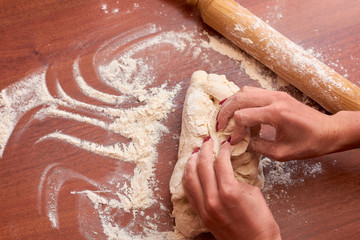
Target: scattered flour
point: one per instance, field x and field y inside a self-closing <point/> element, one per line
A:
<point x="273" y="13"/>
<point x="132" y="76"/>
<point x="108" y="10"/>
<point x="282" y="173"/>
<point x="104" y="7"/>
<point x="12" y="106"/>
<point x="254" y="69"/>
<point x="281" y="177"/>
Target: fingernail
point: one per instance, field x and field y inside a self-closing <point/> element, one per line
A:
<point x="222" y="102"/>
<point x="196" y="150"/>
<point x="206" y="139"/>
<point x="217" y="126"/>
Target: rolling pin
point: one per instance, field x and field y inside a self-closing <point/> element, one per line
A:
<point x="291" y="62"/>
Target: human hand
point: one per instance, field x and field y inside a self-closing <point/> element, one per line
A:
<point x="230" y="209"/>
<point x="301" y="131"/>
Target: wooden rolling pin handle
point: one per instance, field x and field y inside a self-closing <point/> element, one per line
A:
<point x="281" y="55"/>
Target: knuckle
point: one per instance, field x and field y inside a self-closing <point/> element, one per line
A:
<point x="245" y="89"/>
<point x="189" y="171"/>
<point x="188" y="166"/>
<point x="279" y="155"/>
<point x="241" y="118"/>
<point x="187" y="178"/>
<point x="282" y="95"/>
<point x="238" y="96"/>
<point x="227" y="193"/>
<point x="212" y="206"/>
<point x="238" y="116"/>
<point x="279" y="109"/>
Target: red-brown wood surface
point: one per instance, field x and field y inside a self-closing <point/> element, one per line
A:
<point x="52" y="35"/>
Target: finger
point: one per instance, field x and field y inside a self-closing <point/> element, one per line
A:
<point x="274" y="149"/>
<point x="192" y="184"/>
<point x="238" y="134"/>
<point x="191" y="199"/>
<point x="240" y="100"/>
<point x="205" y="170"/>
<point x="247" y="118"/>
<point x="251" y="117"/>
<point x="222" y="166"/>
<point x="264" y="147"/>
<point x="252" y="89"/>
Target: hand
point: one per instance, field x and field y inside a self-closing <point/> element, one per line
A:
<point x="230" y="209"/>
<point x="301" y="131"/>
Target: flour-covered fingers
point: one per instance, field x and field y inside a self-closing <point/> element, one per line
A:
<point x="246" y="118"/>
<point x="205" y="170"/>
<point x="251" y="117"/>
<point x="190" y="198"/>
<point x="222" y="165"/>
<point x="238" y="134"/>
<point x="251" y="89"/>
<point x="192" y="184"/>
<point x="243" y="99"/>
<point x="214" y="209"/>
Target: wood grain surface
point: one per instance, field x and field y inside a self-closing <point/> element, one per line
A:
<point x="51" y="36"/>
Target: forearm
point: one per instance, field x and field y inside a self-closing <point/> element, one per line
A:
<point x="345" y="132"/>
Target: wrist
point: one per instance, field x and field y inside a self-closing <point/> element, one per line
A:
<point x="272" y="233"/>
<point x="344" y="133"/>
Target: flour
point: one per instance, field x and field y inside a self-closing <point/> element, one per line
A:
<point x="254" y="69"/>
<point x="104" y="7"/>
<point x="282" y="173"/>
<point x="132" y="74"/>
<point x="108" y="10"/>
<point x="273" y="13"/>
<point x="304" y="65"/>
<point x="91" y="92"/>
<point x="333" y="63"/>
<point x="282" y="177"/>
<point x="12" y="105"/>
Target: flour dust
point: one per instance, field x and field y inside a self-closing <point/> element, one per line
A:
<point x="133" y="76"/>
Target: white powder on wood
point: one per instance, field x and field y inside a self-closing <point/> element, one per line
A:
<point x="91" y="92"/>
<point x="283" y="173"/>
<point x="131" y="76"/>
<point x="254" y="69"/>
<point x="12" y="100"/>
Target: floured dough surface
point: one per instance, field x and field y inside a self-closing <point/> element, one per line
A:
<point x="198" y="121"/>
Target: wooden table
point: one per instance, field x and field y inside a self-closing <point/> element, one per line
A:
<point x="51" y="36"/>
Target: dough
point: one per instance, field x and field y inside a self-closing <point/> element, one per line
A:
<point x="198" y="121"/>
